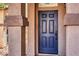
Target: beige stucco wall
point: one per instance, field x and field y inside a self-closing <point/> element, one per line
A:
<point x="26" y="29"/>
<point x="31" y="32"/>
<point x="26" y="9"/>
<point x="72" y="40"/>
<point x="14" y="9"/>
<point x="1" y="16"/>
<point x="2" y="35"/>
<point x="72" y="31"/>
<point x="72" y="8"/>
<point x="14" y="41"/>
<point x="61" y="31"/>
<point x="26" y="39"/>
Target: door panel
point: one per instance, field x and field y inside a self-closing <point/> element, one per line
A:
<point x="44" y="26"/>
<point x="51" y="26"/>
<point x="48" y="28"/>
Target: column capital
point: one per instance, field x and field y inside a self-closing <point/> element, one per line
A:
<point x="16" y="21"/>
<point x="71" y="19"/>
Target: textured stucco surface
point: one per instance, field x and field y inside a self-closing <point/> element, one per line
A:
<point x="1" y="37"/>
<point x="26" y="38"/>
<point x="72" y="29"/>
<point x="14" y="9"/>
<point x="72" y="40"/>
<point x="31" y="32"/>
<point x="14" y="41"/>
<point x="1" y="16"/>
<point x="61" y="31"/>
<point x="71" y="19"/>
<point x="72" y="8"/>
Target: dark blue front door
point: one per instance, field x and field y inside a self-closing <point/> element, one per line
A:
<point x="48" y="30"/>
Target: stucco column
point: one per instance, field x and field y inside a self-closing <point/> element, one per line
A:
<point x="31" y="32"/>
<point x="16" y="35"/>
<point x="2" y="17"/>
<point x="71" y="23"/>
<point x="16" y="22"/>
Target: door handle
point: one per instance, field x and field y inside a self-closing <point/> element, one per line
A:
<point x="56" y="35"/>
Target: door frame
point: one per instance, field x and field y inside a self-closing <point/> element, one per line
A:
<point x="61" y="36"/>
